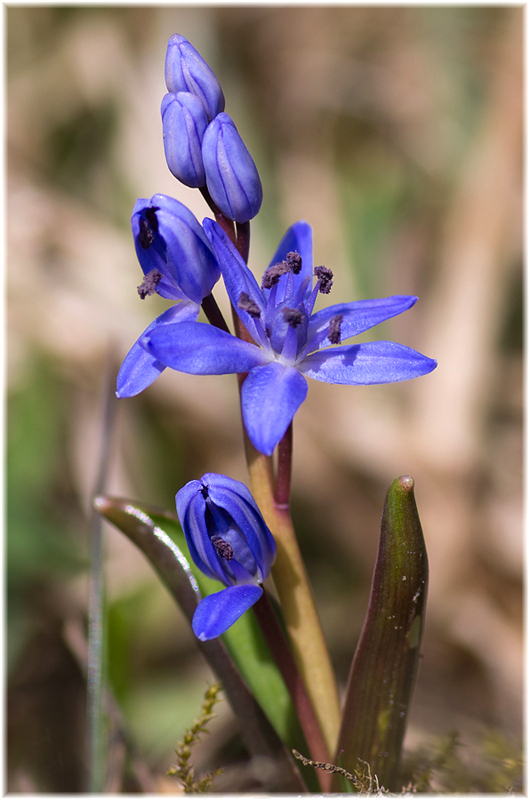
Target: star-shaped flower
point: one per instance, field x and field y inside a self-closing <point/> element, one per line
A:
<point x="291" y="343"/>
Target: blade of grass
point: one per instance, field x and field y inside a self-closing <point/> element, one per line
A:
<point x="96" y="715"/>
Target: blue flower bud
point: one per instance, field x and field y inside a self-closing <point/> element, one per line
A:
<point x="187" y="71"/>
<point x="184" y="122"/>
<point x="231" y="175"/>
<point x="170" y="240"/>
<point x="230" y="542"/>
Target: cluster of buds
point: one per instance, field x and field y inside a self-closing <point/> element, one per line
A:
<point x="202" y="145"/>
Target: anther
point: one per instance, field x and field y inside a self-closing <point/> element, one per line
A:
<point x="292" y="316"/>
<point x="294" y="261"/>
<point x="272" y="275"/>
<point x="325" y="276"/>
<point x="247" y="304"/>
<point x="334" y="329"/>
<point x="150" y="215"/>
<point x="146" y="237"/>
<point x="149" y="283"/>
<point x="222" y="548"/>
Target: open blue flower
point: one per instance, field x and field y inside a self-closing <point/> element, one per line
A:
<point x="178" y="264"/>
<point x="290" y="341"/>
<point x="230" y="542"/>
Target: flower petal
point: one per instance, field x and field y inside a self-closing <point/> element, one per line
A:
<point x="299" y="237"/>
<point x="235" y="498"/>
<point x="201" y="349"/>
<point x="217" y="612"/>
<point x="357" y="317"/>
<point x="270" y="397"/>
<point x="373" y="362"/>
<point x="140" y="368"/>
<point x="238" y="280"/>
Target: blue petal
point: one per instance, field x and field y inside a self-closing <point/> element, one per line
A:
<point x="184" y="121"/>
<point x="217" y="612"/>
<point x="231" y="175"/>
<point x="191" y="509"/>
<point x="140" y="368"/>
<point x="187" y="71"/>
<point x="373" y="362"/>
<point x="357" y="317"/>
<point x="270" y="397"/>
<point x="238" y="279"/>
<point x="236" y="500"/>
<point x="202" y="349"/>
<point x="299" y="237"/>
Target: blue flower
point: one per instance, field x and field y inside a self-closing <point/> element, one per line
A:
<point x="178" y="264"/>
<point x="187" y="71"/>
<point x="231" y="175"/>
<point x="184" y="122"/>
<point x="230" y="542"/>
<point x="291" y="343"/>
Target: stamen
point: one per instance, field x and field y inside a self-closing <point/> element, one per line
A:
<point x="222" y="548"/>
<point x="292" y="316"/>
<point x="294" y="261"/>
<point x="272" y="275"/>
<point x="150" y="214"/>
<point x="146" y="237"/>
<point x="334" y="329"/>
<point x="325" y="276"/>
<point x="247" y="304"/>
<point x="149" y="283"/>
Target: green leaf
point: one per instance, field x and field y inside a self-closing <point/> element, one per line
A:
<point x="386" y="659"/>
<point x="159" y="536"/>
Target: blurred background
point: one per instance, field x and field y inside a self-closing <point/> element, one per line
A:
<point x="396" y="132"/>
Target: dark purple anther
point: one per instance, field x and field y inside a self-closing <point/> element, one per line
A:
<point x="294" y="261"/>
<point x="272" y="275"/>
<point x="325" y="276"/>
<point x="222" y="548"/>
<point x="248" y="305"/>
<point x="149" y="283"/>
<point x="334" y="329"/>
<point x="146" y="237"/>
<point x="292" y="316"/>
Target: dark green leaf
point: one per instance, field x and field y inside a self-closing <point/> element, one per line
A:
<point x="386" y="660"/>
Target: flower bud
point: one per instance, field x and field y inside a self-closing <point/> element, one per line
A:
<point x="187" y="71"/>
<point x="231" y="175"/>
<point x="230" y="542"/>
<point x="184" y="121"/>
<point x="170" y="240"/>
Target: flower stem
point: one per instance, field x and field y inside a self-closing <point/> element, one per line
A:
<point x="297" y="603"/>
<point x="226" y="224"/>
<point x="282" y="489"/>
<point x="213" y="313"/>
<point x="304" y="708"/>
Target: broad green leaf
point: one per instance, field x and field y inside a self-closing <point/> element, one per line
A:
<point x="159" y="536"/>
<point x="386" y="659"/>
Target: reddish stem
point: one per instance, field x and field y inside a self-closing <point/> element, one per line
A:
<point x="282" y="488"/>
<point x="213" y="313"/>
<point x="283" y="656"/>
